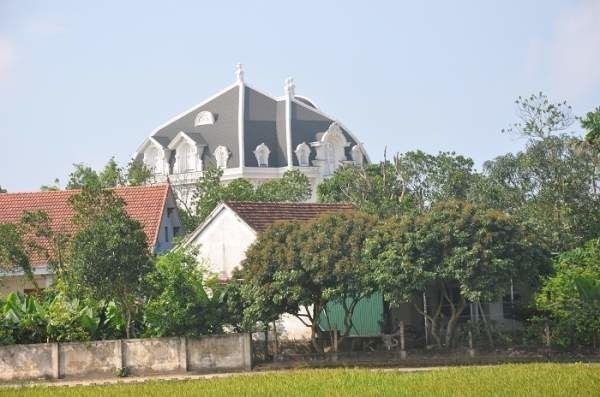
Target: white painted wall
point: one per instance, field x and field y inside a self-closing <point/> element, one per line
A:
<point x="223" y="242"/>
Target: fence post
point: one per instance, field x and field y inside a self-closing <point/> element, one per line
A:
<point x="246" y="350"/>
<point x="183" y="362"/>
<point x="471" y="350"/>
<point x="402" y="346"/>
<point x="547" y="334"/>
<point x="55" y="354"/>
<point x="119" y="357"/>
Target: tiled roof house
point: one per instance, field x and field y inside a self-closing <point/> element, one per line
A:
<point x="153" y="206"/>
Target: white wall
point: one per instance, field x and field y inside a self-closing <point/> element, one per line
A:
<point x="10" y="284"/>
<point x="222" y="244"/>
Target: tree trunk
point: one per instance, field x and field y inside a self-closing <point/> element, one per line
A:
<point x="486" y="325"/>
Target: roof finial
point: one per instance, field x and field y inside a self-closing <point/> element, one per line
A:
<point x="289" y="87"/>
<point x="239" y="73"/>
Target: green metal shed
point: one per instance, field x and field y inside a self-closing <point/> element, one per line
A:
<point x="367" y="318"/>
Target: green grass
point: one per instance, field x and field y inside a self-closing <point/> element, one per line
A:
<point x="503" y="380"/>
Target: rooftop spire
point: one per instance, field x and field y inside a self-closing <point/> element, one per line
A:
<point x="289" y="87"/>
<point x="239" y="73"/>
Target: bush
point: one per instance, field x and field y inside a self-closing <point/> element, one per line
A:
<point x="573" y="316"/>
<point x="182" y="300"/>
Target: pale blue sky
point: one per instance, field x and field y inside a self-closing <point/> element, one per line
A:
<point x="81" y="81"/>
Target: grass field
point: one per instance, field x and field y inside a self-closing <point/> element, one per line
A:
<point x="505" y="380"/>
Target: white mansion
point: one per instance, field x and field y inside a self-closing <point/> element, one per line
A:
<point x="249" y="134"/>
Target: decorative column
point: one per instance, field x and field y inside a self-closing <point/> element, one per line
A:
<point x="289" y="88"/>
<point x="239" y="73"/>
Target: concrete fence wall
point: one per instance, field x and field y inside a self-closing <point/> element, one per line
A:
<point x="138" y="356"/>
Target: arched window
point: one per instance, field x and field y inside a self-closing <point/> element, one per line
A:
<point x="357" y="155"/>
<point x="303" y="154"/>
<point x="221" y="156"/>
<point x="191" y="159"/>
<point x="262" y="155"/>
<point x="331" y="149"/>
<point x="204" y="118"/>
<point x="181" y="157"/>
<point x="151" y="158"/>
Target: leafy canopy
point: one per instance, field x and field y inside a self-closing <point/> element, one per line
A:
<point x="109" y="255"/>
<point x="294" y="266"/>
<point x="455" y="246"/>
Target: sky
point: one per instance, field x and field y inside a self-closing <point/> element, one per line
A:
<point x="82" y="81"/>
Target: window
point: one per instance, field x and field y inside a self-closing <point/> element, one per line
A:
<point x="204" y="118"/>
<point x="151" y="158"/>
<point x="303" y="154"/>
<point x="262" y="155"/>
<point x="221" y="156"/>
<point x="176" y="231"/>
<point x="357" y="155"/>
<point x="166" y="234"/>
<point x="331" y="149"/>
<point x="170" y="211"/>
<point x="185" y="158"/>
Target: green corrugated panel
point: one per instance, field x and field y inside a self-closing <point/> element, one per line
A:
<point x="367" y="318"/>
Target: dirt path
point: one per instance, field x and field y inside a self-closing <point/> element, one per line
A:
<point x="174" y="377"/>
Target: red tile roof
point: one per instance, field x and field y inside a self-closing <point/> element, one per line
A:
<point x="143" y="203"/>
<point x="261" y="215"/>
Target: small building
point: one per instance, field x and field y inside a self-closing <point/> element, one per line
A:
<point x="153" y="206"/>
<point x="224" y="237"/>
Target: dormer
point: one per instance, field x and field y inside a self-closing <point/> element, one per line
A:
<point x="331" y="149"/>
<point x="303" y="154"/>
<point x="262" y="152"/>
<point x="188" y="153"/>
<point x="222" y="156"/>
<point x="155" y="156"/>
<point x="204" y="118"/>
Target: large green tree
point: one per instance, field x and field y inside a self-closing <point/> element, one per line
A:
<point x="109" y="256"/>
<point x="454" y="253"/>
<point x="552" y="185"/>
<point x="298" y="268"/>
<point x="410" y="181"/>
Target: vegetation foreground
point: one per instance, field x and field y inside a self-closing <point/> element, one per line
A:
<point x="504" y="380"/>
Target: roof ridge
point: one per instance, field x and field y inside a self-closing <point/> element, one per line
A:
<point x="155" y="185"/>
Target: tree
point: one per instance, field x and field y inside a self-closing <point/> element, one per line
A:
<point x="109" y="256"/>
<point x="210" y="191"/>
<point x="540" y="118"/>
<point x="591" y="124"/>
<point x="552" y="184"/>
<point x="453" y="253"/>
<point x="293" y="186"/>
<point x="13" y="252"/>
<point x="178" y="303"/>
<point x="375" y="189"/>
<point x="55" y="186"/>
<point x="138" y="173"/>
<point x="298" y="268"/>
<point x="410" y="181"/>
<point x="568" y="298"/>
<point x="83" y="175"/>
<point x="30" y="236"/>
<point x="111" y="175"/>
